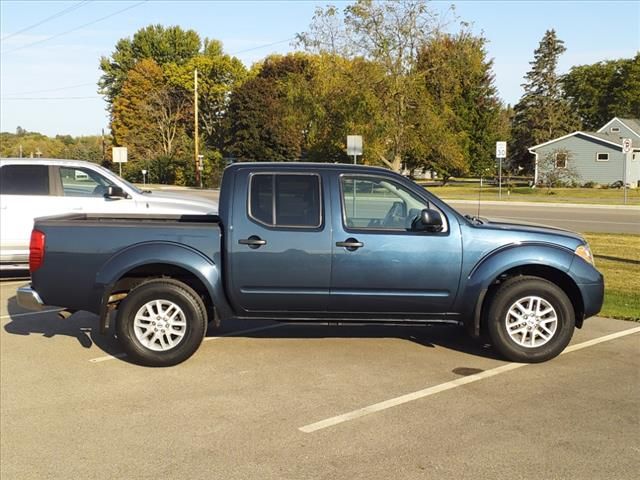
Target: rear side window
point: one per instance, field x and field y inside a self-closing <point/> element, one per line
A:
<point x="24" y="180"/>
<point x="285" y="200"/>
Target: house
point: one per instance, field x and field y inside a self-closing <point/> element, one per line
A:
<point x="594" y="156"/>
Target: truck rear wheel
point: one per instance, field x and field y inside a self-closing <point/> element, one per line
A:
<point x="161" y="323"/>
<point x="530" y="320"/>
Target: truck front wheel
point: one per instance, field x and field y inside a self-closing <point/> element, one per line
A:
<point x="530" y="320"/>
<point x="161" y="323"/>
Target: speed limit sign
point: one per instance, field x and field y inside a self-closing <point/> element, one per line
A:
<point x="626" y="145"/>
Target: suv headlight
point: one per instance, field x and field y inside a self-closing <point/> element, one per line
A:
<point x="584" y="252"/>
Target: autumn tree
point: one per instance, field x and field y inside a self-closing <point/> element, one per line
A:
<point x="389" y="34"/>
<point x="603" y="90"/>
<point x="542" y="112"/>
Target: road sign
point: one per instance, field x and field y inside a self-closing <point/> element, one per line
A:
<point x="354" y="145"/>
<point x="119" y="154"/>
<point x="627" y="145"/>
<point x="501" y="149"/>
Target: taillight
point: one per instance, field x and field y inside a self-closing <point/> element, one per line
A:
<point x="36" y="250"/>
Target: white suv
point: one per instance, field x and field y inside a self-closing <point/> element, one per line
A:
<point x="31" y="188"/>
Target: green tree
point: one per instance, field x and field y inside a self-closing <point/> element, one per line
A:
<point x="162" y="44"/>
<point x="542" y="112"/>
<point x="603" y="90"/>
<point x="260" y="123"/>
<point x="460" y="83"/>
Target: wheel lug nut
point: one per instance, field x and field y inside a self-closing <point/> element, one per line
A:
<point x="155" y="329"/>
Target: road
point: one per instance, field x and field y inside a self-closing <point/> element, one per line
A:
<point x="286" y="402"/>
<point x="580" y="218"/>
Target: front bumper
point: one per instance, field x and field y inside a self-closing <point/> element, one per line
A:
<point x="28" y="298"/>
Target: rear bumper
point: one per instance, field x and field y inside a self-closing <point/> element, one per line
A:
<point x="28" y="298"/>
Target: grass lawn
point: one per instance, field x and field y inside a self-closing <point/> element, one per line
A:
<point x="618" y="258"/>
<point x="609" y="196"/>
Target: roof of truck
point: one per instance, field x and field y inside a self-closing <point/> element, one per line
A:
<point x="311" y="165"/>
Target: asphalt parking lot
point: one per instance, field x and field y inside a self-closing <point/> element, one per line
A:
<point x="307" y="402"/>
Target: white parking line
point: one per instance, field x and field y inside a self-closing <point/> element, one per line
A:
<point x="377" y="407"/>
<point x="230" y="334"/>
<point x="26" y="314"/>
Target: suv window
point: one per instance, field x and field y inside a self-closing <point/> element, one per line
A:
<point x="83" y="182"/>
<point x="375" y="203"/>
<point x="24" y="180"/>
<point x="293" y="199"/>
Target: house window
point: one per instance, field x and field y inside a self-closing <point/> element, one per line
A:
<point x="615" y="129"/>
<point x="561" y="160"/>
<point x="602" y="157"/>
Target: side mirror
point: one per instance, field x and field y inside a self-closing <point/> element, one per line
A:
<point x="428" y="221"/>
<point x="115" y="192"/>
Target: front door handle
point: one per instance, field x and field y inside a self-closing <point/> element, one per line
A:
<point x="350" y="244"/>
<point x="253" y="241"/>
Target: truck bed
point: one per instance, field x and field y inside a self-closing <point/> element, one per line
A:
<point x="79" y="247"/>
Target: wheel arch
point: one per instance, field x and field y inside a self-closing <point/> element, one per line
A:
<point x="141" y="262"/>
<point x="546" y="261"/>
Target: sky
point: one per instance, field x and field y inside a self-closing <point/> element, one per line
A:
<point x="49" y="68"/>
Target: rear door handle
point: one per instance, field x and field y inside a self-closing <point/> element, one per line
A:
<point x="253" y="241"/>
<point x="350" y="244"/>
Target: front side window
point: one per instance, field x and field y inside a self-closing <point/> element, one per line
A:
<point x="24" y="180"/>
<point x="602" y="157"/>
<point x="286" y="200"/>
<point x="372" y="203"/>
<point x="82" y="182"/>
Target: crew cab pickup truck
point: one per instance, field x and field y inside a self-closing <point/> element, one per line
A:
<point x="302" y="242"/>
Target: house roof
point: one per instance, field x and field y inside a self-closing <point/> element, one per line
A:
<point x="632" y="124"/>
<point x="603" y="137"/>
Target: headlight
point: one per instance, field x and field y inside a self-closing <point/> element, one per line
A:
<point x="584" y="252"/>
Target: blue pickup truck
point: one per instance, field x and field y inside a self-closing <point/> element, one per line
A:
<point x="310" y="243"/>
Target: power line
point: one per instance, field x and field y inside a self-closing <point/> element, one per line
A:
<point x="49" y="98"/>
<point x="52" y="89"/>
<point x="38" y="42"/>
<point x="55" y="15"/>
<point x="264" y="46"/>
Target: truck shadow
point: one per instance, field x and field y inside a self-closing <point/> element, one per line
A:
<point x="430" y="336"/>
<point x="82" y="326"/>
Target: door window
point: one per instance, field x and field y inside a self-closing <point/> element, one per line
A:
<point x="371" y="203"/>
<point x="285" y="200"/>
<point x="24" y="180"/>
<point x="83" y="182"/>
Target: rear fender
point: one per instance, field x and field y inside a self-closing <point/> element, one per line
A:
<point x="203" y="268"/>
<point x="509" y="257"/>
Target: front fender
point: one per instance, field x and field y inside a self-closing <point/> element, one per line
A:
<point x="508" y="257"/>
<point x="148" y="253"/>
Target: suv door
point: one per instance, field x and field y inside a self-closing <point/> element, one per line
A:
<point x="379" y="264"/>
<point x="23" y="192"/>
<point x="278" y="243"/>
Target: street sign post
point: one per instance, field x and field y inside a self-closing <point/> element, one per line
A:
<point x="627" y="148"/>
<point x="354" y="146"/>
<point x="119" y="155"/>
<point x="501" y="153"/>
<point x="144" y="177"/>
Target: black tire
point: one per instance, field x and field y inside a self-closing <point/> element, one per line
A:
<point x="518" y="288"/>
<point x="167" y="290"/>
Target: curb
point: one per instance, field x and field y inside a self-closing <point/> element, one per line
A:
<point x="543" y="204"/>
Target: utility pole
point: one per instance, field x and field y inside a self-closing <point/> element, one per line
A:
<point x="195" y="122"/>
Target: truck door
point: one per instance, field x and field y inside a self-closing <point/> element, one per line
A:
<point x="379" y="264"/>
<point x="279" y="242"/>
